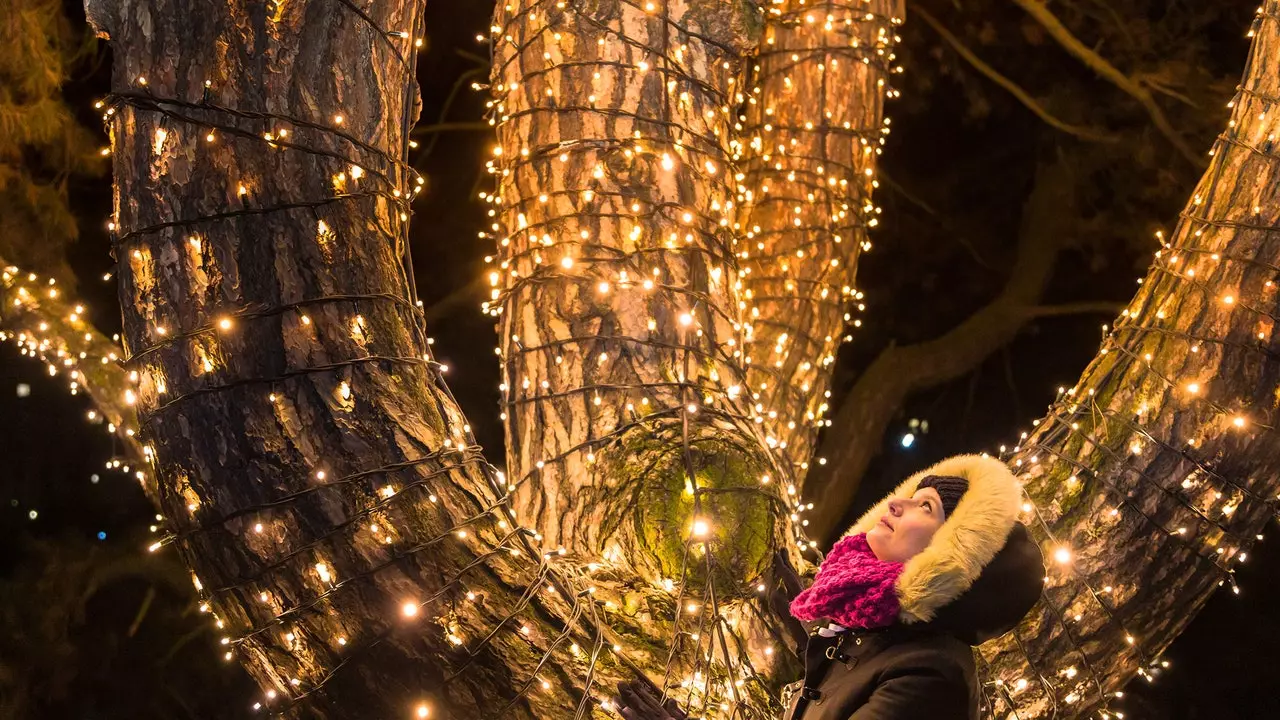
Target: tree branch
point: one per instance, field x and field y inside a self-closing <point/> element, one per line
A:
<point x="865" y="412"/>
<point x="1021" y="95"/>
<point x="1100" y="306"/>
<point x="810" y="150"/>
<point x="1109" y="72"/>
<point x="1149" y="488"/>
<point x="52" y="327"/>
<point x="444" y="127"/>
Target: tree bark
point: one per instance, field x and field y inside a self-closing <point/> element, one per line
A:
<point x="616" y="291"/>
<point x="813" y="128"/>
<point x="1151" y="477"/>
<point x="315" y="474"/>
<point x="616" y="288"/>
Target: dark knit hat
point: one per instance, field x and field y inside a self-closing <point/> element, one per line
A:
<point x="949" y="488"/>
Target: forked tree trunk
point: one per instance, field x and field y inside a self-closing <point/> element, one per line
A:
<point x="813" y="129"/>
<point x="314" y="472"/>
<point x="1152" y="475"/>
<point x="319" y="371"/>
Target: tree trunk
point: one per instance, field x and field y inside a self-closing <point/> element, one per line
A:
<point x="314" y="471"/>
<point x="616" y="288"/>
<point x="813" y="129"/>
<point x="1152" y="476"/>
<point x="616" y="291"/>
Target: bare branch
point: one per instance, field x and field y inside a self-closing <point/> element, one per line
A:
<point x="1102" y="307"/>
<point x="1013" y="88"/>
<point x="1109" y="72"/>
<point x="445" y="127"/>
<point x="899" y="371"/>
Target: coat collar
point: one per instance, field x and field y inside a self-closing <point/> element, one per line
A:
<point x="966" y="542"/>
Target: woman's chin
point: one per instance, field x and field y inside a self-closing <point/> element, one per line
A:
<point x="876" y="537"/>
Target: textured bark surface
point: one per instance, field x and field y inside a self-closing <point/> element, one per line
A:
<point x="1153" y="474"/>
<point x="314" y="472"/>
<point x="616" y="290"/>
<point x="616" y="287"/>
<point x="811" y="136"/>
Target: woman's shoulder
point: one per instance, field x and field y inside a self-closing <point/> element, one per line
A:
<point x="935" y="650"/>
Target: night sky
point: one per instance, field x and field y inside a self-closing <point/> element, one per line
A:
<point x="135" y="648"/>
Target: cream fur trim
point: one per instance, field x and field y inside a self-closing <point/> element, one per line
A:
<point x="965" y="543"/>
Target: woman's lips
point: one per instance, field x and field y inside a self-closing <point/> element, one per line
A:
<point x="885" y="523"/>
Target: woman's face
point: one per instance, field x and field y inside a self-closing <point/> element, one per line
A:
<point x="906" y="529"/>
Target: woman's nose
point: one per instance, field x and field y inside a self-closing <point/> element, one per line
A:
<point x="895" y="507"/>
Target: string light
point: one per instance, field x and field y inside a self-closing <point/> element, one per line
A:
<point x="723" y="307"/>
<point x="808" y="172"/>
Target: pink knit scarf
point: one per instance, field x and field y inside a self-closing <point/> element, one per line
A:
<point x="853" y="588"/>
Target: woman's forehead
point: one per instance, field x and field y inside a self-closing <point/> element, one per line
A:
<point x="925" y="492"/>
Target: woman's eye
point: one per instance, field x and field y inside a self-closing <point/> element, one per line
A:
<point x="928" y="507"/>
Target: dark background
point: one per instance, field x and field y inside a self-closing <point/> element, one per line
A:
<point x="93" y="627"/>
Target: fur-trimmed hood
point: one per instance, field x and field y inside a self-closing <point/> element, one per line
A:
<point x="981" y="572"/>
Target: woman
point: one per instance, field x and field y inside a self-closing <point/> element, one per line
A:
<point x="937" y="567"/>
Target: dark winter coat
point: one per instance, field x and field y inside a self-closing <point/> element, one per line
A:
<point x="977" y="578"/>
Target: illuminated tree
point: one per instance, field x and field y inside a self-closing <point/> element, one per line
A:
<point x="669" y="291"/>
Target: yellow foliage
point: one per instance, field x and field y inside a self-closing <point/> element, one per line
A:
<point x="41" y="142"/>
